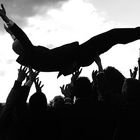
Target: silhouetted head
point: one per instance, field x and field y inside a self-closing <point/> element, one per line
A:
<point x="110" y="81"/>
<point x="82" y="87"/>
<point x="115" y="79"/>
<point x="38" y="102"/>
<point x="17" y="47"/>
<point x="58" y="102"/>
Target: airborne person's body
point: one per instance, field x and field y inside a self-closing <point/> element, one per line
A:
<point x="69" y="57"/>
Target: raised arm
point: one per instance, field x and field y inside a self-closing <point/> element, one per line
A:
<point x="133" y="73"/>
<point x="8" y="31"/>
<point x="99" y="63"/>
<point x="3" y="15"/>
<point x="32" y="77"/>
<point x="38" y="85"/>
<point x="14" y="29"/>
<point x="75" y="76"/>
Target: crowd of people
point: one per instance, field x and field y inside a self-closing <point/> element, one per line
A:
<point x="104" y="108"/>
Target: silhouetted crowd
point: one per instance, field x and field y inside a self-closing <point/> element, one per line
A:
<point x="106" y="108"/>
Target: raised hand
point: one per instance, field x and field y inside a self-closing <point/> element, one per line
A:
<point x="3" y="14"/>
<point x="32" y="74"/>
<point x="22" y="73"/>
<point x="133" y="73"/>
<point x="31" y="77"/>
<point x="66" y="90"/>
<point x="75" y="75"/>
<point x="63" y="91"/>
<point x="94" y="74"/>
<point x="38" y="85"/>
<point x="2" y="11"/>
<point x="99" y="63"/>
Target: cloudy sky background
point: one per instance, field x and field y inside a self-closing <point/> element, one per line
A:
<point x="55" y="22"/>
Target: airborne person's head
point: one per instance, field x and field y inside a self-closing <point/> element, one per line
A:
<point x="17" y="47"/>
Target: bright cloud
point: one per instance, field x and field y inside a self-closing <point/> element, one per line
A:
<point x="75" y="20"/>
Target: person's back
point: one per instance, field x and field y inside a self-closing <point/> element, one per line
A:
<point x="84" y="110"/>
<point x="128" y="127"/>
<point x="39" y="118"/>
<point x="109" y="85"/>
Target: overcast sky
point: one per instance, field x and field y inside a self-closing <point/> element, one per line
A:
<point x="123" y="11"/>
<point x="55" y="22"/>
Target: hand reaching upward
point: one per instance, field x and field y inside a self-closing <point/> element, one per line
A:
<point x="32" y="77"/>
<point x="133" y="73"/>
<point x="38" y="85"/>
<point x="32" y="74"/>
<point x="22" y="73"/>
<point x="75" y="75"/>
<point x="3" y="14"/>
<point x="2" y="11"/>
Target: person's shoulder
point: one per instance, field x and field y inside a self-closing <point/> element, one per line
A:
<point x="75" y="43"/>
<point x="39" y="47"/>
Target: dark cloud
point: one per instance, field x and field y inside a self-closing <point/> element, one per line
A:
<point x="19" y="10"/>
